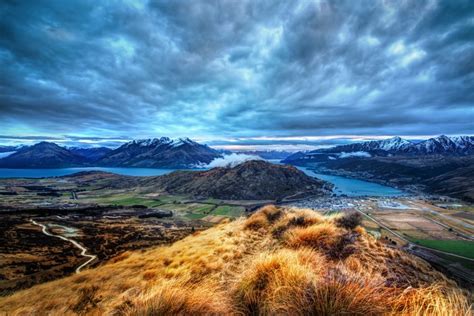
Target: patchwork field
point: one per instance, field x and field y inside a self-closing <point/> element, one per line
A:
<point x="106" y="220"/>
<point x="427" y="230"/>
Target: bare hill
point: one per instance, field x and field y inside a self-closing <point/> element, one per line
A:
<point x="252" y="180"/>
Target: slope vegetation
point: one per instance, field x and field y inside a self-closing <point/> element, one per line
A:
<point x="278" y="261"/>
<point x="251" y="180"/>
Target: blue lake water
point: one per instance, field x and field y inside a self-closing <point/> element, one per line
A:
<point x="42" y="173"/>
<point x="347" y="186"/>
<point x="354" y="187"/>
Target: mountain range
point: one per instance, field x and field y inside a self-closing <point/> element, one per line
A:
<point x="160" y="153"/>
<point x="440" y="165"/>
<point x="148" y="153"/>
<point x="438" y="146"/>
<point x="43" y="155"/>
<point x="183" y="153"/>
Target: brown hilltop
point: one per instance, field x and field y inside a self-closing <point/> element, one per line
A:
<point x="277" y="262"/>
<point x="251" y="180"/>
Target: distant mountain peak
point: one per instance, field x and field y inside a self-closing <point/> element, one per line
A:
<point x="148" y="142"/>
<point x="394" y="143"/>
<point x="441" y="145"/>
<point x="154" y="142"/>
<point x="161" y="152"/>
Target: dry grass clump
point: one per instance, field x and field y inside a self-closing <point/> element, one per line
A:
<point x="321" y="236"/>
<point x="435" y="299"/>
<point x="180" y="298"/>
<point x="349" y="220"/>
<point x="263" y="218"/>
<point x="277" y="283"/>
<point x="336" y="242"/>
<point x="276" y="262"/>
<point x="296" y="218"/>
<point x="345" y="294"/>
<point x="256" y="221"/>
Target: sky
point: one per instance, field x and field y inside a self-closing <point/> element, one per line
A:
<point x="235" y="74"/>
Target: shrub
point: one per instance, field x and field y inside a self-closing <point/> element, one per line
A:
<point x="349" y="220"/>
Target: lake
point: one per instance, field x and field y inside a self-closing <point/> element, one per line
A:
<point x="347" y="186"/>
<point x="354" y="187"/>
<point x="41" y="173"/>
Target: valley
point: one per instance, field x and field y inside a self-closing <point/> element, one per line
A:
<point x="58" y="222"/>
<point x="241" y="158"/>
<point x="110" y="215"/>
<point x="53" y="227"/>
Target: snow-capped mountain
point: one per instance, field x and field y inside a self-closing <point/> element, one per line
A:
<point x="161" y="152"/>
<point x="443" y="145"/>
<point x="42" y="155"/>
<point x="395" y="146"/>
<point x="147" y="153"/>
<point x="156" y="142"/>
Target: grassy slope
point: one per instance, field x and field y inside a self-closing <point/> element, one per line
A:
<point x="275" y="262"/>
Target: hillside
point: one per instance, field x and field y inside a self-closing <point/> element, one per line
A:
<point x="252" y="180"/>
<point x="451" y="176"/>
<point x="91" y="154"/>
<point x="42" y="155"/>
<point x="278" y="261"/>
<point x="440" y="165"/>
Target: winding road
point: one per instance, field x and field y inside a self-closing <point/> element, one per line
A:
<point x="84" y="253"/>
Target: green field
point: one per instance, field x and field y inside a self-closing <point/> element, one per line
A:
<point x="195" y="215"/>
<point x="202" y="208"/>
<point x="228" y="210"/>
<point x="459" y="247"/>
<point x="170" y="202"/>
<point x="137" y="201"/>
<point x="128" y="199"/>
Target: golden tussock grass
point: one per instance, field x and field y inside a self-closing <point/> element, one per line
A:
<point x="276" y="262"/>
<point x="319" y="236"/>
<point x="178" y="297"/>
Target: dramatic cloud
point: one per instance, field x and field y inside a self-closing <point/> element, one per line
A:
<point x="236" y="72"/>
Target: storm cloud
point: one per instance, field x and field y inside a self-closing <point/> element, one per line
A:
<point x="224" y="70"/>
